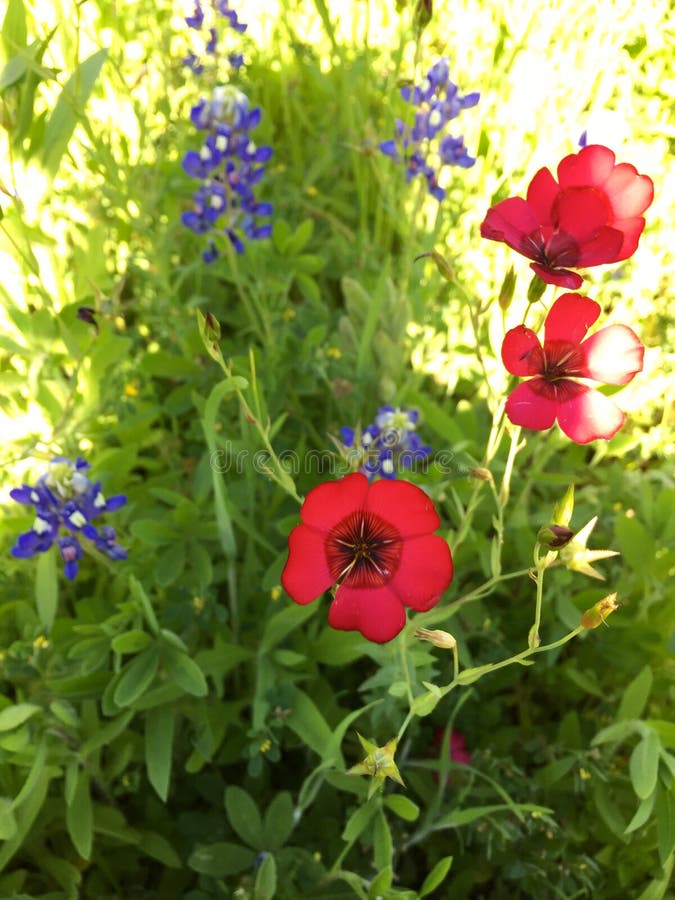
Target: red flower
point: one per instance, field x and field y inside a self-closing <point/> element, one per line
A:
<point x="590" y="217"/>
<point x="612" y="355"/>
<point x="375" y="542"/>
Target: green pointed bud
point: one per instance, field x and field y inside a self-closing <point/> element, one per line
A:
<point x="554" y="536"/>
<point x="578" y="558"/>
<point x="536" y="289"/>
<point x="438" y="638"/>
<point x="562" y="511"/>
<point x="442" y="264"/>
<point x="379" y="764"/>
<point x="209" y="330"/>
<point x="507" y="289"/>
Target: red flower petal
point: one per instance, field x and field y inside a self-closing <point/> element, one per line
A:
<point x="306" y="575"/>
<point x="569" y="318"/>
<point x="533" y="405"/>
<point x="510" y="221"/>
<point x="628" y="193"/>
<point x="541" y="194"/>
<point x="403" y="505"/>
<point x="425" y="571"/>
<point x="613" y="355"/>
<point x="377" y="614"/>
<point x="589" y="415"/>
<point x="560" y="277"/>
<point x="521" y="352"/>
<point x="581" y="212"/>
<point x="330" y="502"/>
<point x="606" y="246"/>
<point x="592" y="166"/>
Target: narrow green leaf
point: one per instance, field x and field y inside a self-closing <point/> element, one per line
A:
<point x="382" y="843"/>
<point x="16" y="714"/>
<point x="80" y="818"/>
<point x="402" y="806"/>
<point x="159" y="728"/>
<point x="308" y="723"/>
<point x="141" y="598"/>
<point x="137" y="676"/>
<point x="619" y="731"/>
<point x="282" y="623"/>
<point x="665" y="823"/>
<point x="266" y="879"/>
<point x="184" y="671"/>
<point x="157" y="846"/>
<point x="8" y="826"/>
<point x="644" y="765"/>
<point x="642" y="813"/>
<point x="244" y="817"/>
<point x="635" y="696"/>
<point x="69" y="109"/>
<point x="221" y="859"/>
<point x="381" y="883"/>
<point x="436" y="877"/>
<point x="46" y="589"/>
<point x="14" y="31"/>
<point x="358" y="821"/>
<point x="131" y="641"/>
<point x="279" y="821"/>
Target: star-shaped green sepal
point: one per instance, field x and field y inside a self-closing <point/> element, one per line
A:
<point x="379" y="764"/>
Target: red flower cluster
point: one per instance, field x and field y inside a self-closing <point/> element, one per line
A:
<point x="591" y="216"/>
<point x="376" y="543"/>
<point x="612" y="355"/>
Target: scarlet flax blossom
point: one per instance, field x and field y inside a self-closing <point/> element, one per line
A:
<point x="612" y="355"/>
<point x="590" y="217"/>
<point x="375" y="542"/>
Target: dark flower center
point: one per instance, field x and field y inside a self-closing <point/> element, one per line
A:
<point x="363" y="550"/>
<point x="562" y="359"/>
<point x="559" y="250"/>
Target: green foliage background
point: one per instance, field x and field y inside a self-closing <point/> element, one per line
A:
<point x="174" y="726"/>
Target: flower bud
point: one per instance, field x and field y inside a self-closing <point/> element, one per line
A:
<point x="438" y="638"/>
<point x="554" y="536"/>
<point x="562" y="511"/>
<point x="481" y="474"/>
<point x="598" y="613"/>
<point x="536" y="289"/>
<point x="424" y="10"/>
<point x="506" y="291"/>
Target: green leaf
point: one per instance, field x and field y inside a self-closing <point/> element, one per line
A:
<point x="664" y="729"/>
<point x="636" y="544"/>
<point x="402" y="806"/>
<point x="244" y="817"/>
<point x="80" y="817"/>
<point x="644" y="765"/>
<point x="184" y="671"/>
<point x="665" y="822"/>
<point x="266" y="879"/>
<point x="468" y="676"/>
<point x="132" y="641"/>
<point x="104" y="735"/>
<point x="460" y="817"/>
<point x="279" y="821"/>
<point x="221" y="859"/>
<point x="635" y="696"/>
<point x="157" y="846"/>
<point x="171" y="563"/>
<point x="16" y="714"/>
<point x="425" y="703"/>
<point x="153" y="532"/>
<point x="8" y="826"/>
<point x="642" y="813"/>
<point x="358" y="821"/>
<point x="14" y="32"/>
<point x="159" y="728"/>
<point x="308" y="723"/>
<point x="436" y="877"/>
<point x="381" y="883"/>
<point x="617" y="732"/>
<point x="69" y="109"/>
<point x="382" y="844"/>
<point x="137" y="676"/>
<point x="46" y="589"/>
<point x="141" y="598"/>
<point x="282" y="623"/>
<point x="550" y="774"/>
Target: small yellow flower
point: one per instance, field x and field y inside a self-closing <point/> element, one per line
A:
<point x="275" y="593"/>
<point x="131" y="389"/>
<point x="584" y="773"/>
<point x="334" y="352"/>
<point x="198" y="604"/>
<point x="40" y="642"/>
<point x="288" y="313"/>
<point x="266" y="745"/>
<point x="311" y="191"/>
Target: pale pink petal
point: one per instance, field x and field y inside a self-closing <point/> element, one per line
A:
<point x="592" y="166"/>
<point x="588" y="415"/>
<point x="533" y="405"/>
<point x="631" y="230"/>
<point x="569" y="318"/>
<point x="376" y="612"/>
<point x="521" y="352"/>
<point x="628" y="193"/>
<point x="613" y="355"/>
<point x="306" y="575"/>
